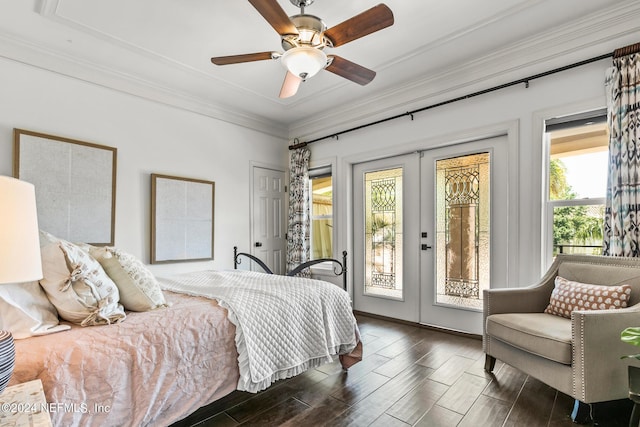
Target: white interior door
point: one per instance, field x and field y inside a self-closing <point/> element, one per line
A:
<point x="268" y="230"/>
<point x="464" y="213"/>
<point x="386" y="237"/>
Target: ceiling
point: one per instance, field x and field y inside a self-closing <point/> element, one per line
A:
<point x="161" y="50"/>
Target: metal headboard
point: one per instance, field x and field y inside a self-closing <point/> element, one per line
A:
<point x="237" y="261"/>
<point x="339" y="268"/>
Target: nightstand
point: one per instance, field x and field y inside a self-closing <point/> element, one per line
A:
<point x="24" y="405"/>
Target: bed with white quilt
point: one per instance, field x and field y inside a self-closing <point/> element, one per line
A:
<point x="115" y="346"/>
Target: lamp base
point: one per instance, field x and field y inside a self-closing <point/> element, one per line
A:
<point x="7" y="358"/>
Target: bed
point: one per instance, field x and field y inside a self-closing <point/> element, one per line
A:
<point x="156" y="367"/>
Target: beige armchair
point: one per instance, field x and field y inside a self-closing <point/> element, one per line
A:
<point x="579" y="356"/>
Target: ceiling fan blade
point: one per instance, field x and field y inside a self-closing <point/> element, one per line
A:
<point x="351" y="71"/>
<point x="275" y="16"/>
<point x="236" y="59"/>
<point x="290" y="85"/>
<point x="369" y="21"/>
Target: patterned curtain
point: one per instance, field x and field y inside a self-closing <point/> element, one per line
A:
<point x="621" y="222"/>
<point x="298" y="230"/>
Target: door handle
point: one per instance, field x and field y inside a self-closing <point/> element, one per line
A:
<point x="425" y="247"/>
<point x="258" y="244"/>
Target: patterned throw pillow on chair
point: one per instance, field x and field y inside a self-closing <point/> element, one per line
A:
<point x="568" y="296"/>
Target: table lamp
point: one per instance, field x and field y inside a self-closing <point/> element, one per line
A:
<point x="19" y="251"/>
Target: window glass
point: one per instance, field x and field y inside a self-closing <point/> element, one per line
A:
<point x="321" y="216"/>
<point x="578" y="162"/>
<point x="577" y="179"/>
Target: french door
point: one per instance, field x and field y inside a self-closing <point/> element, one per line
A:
<point x="385" y="241"/>
<point x="464" y="208"/>
<point x="430" y="233"/>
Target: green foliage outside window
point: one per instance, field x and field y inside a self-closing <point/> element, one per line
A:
<point x="573" y="225"/>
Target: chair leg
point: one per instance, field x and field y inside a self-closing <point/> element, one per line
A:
<point x="581" y="413"/>
<point x="489" y="363"/>
<point x="634" y="421"/>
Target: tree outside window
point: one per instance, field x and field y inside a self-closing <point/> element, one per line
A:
<point x="576" y="229"/>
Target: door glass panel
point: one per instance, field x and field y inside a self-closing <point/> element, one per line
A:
<point x="383" y="233"/>
<point x="462" y="230"/>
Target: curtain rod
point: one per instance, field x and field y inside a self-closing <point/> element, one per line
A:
<point x="297" y="144"/>
<point x="627" y="50"/>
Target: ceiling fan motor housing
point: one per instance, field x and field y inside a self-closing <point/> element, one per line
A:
<point x="310" y="33"/>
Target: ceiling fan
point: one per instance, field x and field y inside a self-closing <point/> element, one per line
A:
<point x="304" y="38"/>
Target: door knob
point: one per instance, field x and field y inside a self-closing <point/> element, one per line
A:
<point x="425" y="247"/>
<point x="258" y="244"/>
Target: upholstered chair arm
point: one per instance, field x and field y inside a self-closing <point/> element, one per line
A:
<point x="597" y="367"/>
<point x="530" y="299"/>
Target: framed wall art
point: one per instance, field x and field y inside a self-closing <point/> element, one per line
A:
<point x="75" y="183"/>
<point x="182" y="214"/>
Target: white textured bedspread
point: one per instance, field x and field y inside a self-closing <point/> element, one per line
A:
<point x="284" y="325"/>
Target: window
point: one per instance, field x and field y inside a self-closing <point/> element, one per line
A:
<point x="321" y="192"/>
<point x="577" y="178"/>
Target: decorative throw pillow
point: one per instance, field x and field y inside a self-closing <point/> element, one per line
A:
<point x="47" y="238"/>
<point x="25" y="311"/>
<point x="78" y="287"/>
<point x="568" y="296"/>
<point x="139" y="289"/>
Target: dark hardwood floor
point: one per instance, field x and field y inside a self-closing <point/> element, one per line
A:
<point x="410" y="376"/>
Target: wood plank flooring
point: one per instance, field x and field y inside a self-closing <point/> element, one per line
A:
<point x="410" y="376"/>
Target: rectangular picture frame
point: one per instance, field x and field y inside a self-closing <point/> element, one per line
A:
<point x="182" y="219"/>
<point x="75" y="185"/>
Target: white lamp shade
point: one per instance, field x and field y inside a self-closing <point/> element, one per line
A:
<point x="304" y="61"/>
<point x="19" y="235"/>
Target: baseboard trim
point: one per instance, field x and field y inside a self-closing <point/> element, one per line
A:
<point x="419" y="325"/>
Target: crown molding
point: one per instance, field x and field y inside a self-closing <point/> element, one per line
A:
<point x="37" y="56"/>
<point x="461" y="32"/>
<point x="49" y="10"/>
<point x="40" y="56"/>
<point x="594" y="35"/>
<point x="590" y="36"/>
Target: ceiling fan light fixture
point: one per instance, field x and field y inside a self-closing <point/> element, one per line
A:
<point x="304" y="61"/>
<point x="309" y="37"/>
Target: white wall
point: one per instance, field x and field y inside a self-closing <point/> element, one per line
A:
<point x="564" y="93"/>
<point x="150" y="138"/>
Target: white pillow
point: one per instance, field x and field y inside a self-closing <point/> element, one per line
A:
<point x="25" y="311"/>
<point x="47" y="238"/>
<point x="139" y="289"/>
<point x="78" y="287"/>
